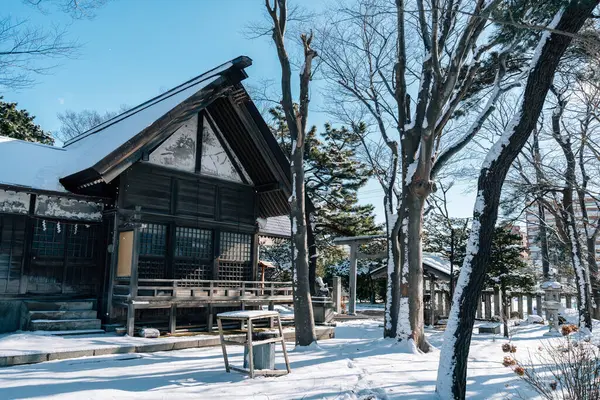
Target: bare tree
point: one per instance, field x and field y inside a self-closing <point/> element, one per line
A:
<point x="374" y="67"/>
<point x="452" y="372"/>
<point x="74" y="123"/>
<point x="296" y="119"/>
<point x="27" y="50"/>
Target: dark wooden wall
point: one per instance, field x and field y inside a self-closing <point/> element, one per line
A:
<point x="187" y="197"/>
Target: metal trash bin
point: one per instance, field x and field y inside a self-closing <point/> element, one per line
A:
<point x="262" y="354"/>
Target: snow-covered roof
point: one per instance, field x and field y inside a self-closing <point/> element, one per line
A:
<point x="275" y="226"/>
<point x="93" y="145"/>
<point x="31" y="165"/>
<point x="436" y="262"/>
<point x="41" y="167"/>
<point x="432" y="262"/>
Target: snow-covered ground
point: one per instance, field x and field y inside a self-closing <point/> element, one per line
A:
<point x="357" y="364"/>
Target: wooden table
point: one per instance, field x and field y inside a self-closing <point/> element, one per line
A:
<point x="247" y="317"/>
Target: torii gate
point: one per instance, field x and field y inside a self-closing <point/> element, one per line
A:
<point x="355" y="255"/>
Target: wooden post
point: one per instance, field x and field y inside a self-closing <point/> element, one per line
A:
<point x="353" y="262"/>
<point x="337" y="294"/>
<point x="173" y="319"/>
<point x="497" y="301"/>
<point x="209" y="318"/>
<point x="225" y="359"/>
<point x="520" y="305"/>
<point x="285" y="356"/>
<point x="538" y="305"/>
<point x="488" y="306"/>
<point x="133" y="281"/>
<point x="432" y="298"/>
<point x="568" y="300"/>
<point x="529" y="305"/>
<point x="250" y="350"/>
<point x="479" y="313"/>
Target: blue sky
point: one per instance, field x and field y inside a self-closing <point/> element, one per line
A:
<point x="134" y="49"/>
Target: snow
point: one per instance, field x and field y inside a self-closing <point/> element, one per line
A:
<point x="31" y="165"/>
<point x="551" y="284"/>
<point x="532" y="318"/>
<point x="248" y="314"/>
<point x="13" y="202"/>
<point x="357" y="364"/>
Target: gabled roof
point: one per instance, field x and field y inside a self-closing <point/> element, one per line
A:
<point x="105" y="151"/>
<point x="99" y="155"/>
<point x="433" y="263"/>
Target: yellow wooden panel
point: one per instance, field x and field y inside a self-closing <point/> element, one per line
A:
<point x="125" y="253"/>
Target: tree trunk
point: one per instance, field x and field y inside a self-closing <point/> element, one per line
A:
<point x="304" y="322"/>
<point x="392" y="303"/>
<point x="312" y="250"/>
<point x="541" y="211"/>
<point x="505" y="310"/>
<point x="582" y="276"/>
<point x="452" y="372"/>
<point x="415" y="271"/>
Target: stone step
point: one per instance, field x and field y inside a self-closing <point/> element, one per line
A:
<point x="71" y="333"/>
<point x="60" y="305"/>
<point x="57" y="315"/>
<point x="64" y="324"/>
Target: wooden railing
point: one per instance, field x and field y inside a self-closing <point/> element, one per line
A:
<point x="201" y="291"/>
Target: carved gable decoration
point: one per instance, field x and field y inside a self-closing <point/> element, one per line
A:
<point x="179" y="150"/>
<point x="215" y="159"/>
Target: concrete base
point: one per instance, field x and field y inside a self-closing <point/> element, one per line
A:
<point x="322" y="333"/>
<point x="490" y="328"/>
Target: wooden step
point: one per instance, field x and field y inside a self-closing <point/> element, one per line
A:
<point x="63" y="315"/>
<point x="64" y="324"/>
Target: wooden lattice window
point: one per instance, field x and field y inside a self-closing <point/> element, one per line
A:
<point x="81" y="241"/>
<point x="48" y="238"/>
<point x="153" y="248"/>
<point x="236" y="246"/>
<point x="153" y="240"/>
<point x="193" y="243"/>
<point x="12" y="240"/>
<point x="193" y="253"/>
<point x="236" y="254"/>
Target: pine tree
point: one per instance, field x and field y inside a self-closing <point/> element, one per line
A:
<point x="447" y="236"/>
<point x="507" y="268"/>
<point x="18" y="124"/>
<point x="333" y="175"/>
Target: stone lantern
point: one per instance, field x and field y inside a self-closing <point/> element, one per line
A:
<point x="552" y="290"/>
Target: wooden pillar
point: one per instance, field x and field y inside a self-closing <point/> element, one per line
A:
<point x="538" y="305"/>
<point x="479" y="314"/>
<point x="520" y="305"/>
<point x="209" y="318"/>
<point x="488" y="306"/>
<point x="26" y="259"/>
<point x="447" y="304"/>
<point x="337" y="294"/>
<point x="568" y="300"/>
<point x="440" y="303"/>
<point x="529" y="305"/>
<point x="497" y="301"/>
<point x="432" y="298"/>
<point x="353" y="262"/>
<point x="173" y="319"/>
<point x="133" y="281"/>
